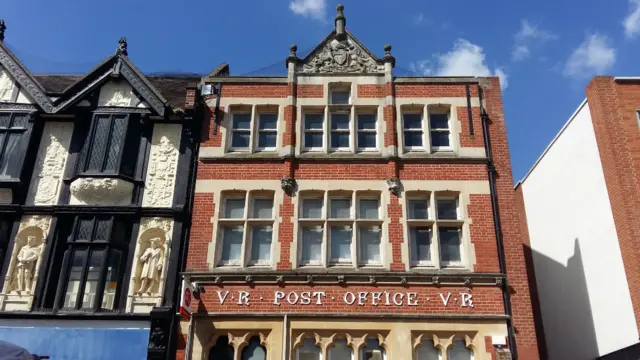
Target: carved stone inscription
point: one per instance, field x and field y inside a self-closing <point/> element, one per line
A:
<point x="163" y="162"/>
<point x="50" y="164"/>
<point x="342" y="57"/>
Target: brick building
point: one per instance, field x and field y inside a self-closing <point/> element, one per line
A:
<point x="95" y="191"/>
<point x="343" y="212"/>
<point x="582" y="203"/>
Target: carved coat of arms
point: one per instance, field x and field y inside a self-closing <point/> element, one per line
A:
<point x="342" y="57"/>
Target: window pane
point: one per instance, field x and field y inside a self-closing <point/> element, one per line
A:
<point x="447" y="209"/>
<point x="313" y="121"/>
<point x="240" y="139"/>
<point x="267" y="139"/>
<point x="339" y="121"/>
<point x="93" y="274"/>
<point x="309" y="350"/>
<point x="420" y="244"/>
<point x="102" y="230"/>
<point x="366" y="122"/>
<point x="241" y="121"/>
<point x="234" y="209"/>
<point x="73" y="283"/>
<point x="428" y="351"/>
<point x="261" y="243"/>
<point x="85" y="229"/>
<point x="366" y="140"/>
<point x="340" y="97"/>
<point x="449" y="244"/>
<point x="440" y="138"/>
<point x="439" y="121"/>
<point x="254" y="351"/>
<point x="268" y="121"/>
<point x="313" y="140"/>
<point x="340" y="208"/>
<point x="339" y="140"/>
<point x="232" y="244"/>
<point x="111" y="282"/>
<point x="368" y="209"/>
<point x="372" y="350"/>
<point x="413" y="138"/>
<point x="341" y="243"/>
<point x="98" y="148"/>
<point x="118" y="134"/>
<point x="10" y="157"/>
<point x="370" y="245"/>
<point x="5" y="120"/>
<point x="19" y="120"/>
<point x="262" y="208"/>
<point x="459" y="351"/>
<point x="418" y="209"/>
<point x="412" y="121"/>
<point x="340" y="350"/>
<point x="311" y="244"/>
<point x="312" y="208"/>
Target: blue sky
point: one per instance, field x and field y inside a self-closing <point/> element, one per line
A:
<point x="546" y="50"/>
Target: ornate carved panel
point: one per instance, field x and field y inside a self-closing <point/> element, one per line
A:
<point x="119" y="94"/>
<point x="149" y="270"/>
<point x="142" y="88"/>
<point x="163" y="162"/>
<point x="102" y="191"/>
<point x="345" y="56"/>
<point x="8" y="87"/>
<point x="49" y="168"/>
<point x="25" y="80"/>
<point x="22" y="275"/>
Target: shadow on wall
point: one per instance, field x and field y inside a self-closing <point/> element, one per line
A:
<point x="565" y="308"/>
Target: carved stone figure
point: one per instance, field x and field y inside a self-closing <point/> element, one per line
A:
<point x="27" y="259"/>
<point x="122" y="46"/>
<point x="6" y="86"/>
<point x="160" y="181"/>
<point x="51" y="161"/>
<point x="152" y="260"/>
<point x="394" y="185"/>
<point x="342" y="57"/>
<point x="288" y="185"/>
<point x="116" y="93"/>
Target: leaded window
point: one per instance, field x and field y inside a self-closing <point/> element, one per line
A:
<point x="13" y="127"/>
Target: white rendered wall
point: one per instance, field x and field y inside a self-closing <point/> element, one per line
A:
<point x="584" y="295"/>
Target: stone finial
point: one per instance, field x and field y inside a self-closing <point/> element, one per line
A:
<point x="293" y="57"/>
<point x="3" y="27"/>
<point x="122" y="47"/>
<point x="388" y="58"/>
<point x="341" y="22"/>
<point x="293" y="48"/>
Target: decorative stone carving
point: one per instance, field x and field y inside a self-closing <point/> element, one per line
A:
<point x="310" y="279"/>
<point x="50" y="164"/>
<point x="101" y="191"/>
<point x="394" y="185"/>
<point x="280" y="280"/>
<point x="344" y="56"/>
<point x="372" y="280"/>
<point x="117" y="93"/>
<point x="3" y="27"/>
<point x="21" y="77"/>
<point x="248" y="279"/>
<point x="7" y="86"/>
<point x="23" y="272"/>
<point x="163" y="162"/>
<point x="288" y="185"/>
<point x="122" y="46"/>
<point x="341" y="279"/>
<point x="150" y="265"/>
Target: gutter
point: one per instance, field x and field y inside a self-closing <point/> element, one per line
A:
<point x="491" y="170"/>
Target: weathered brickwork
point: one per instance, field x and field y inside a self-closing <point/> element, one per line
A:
<point x="467" y="140"/>
<point x="434" y="90"/>
<point x="371" y="91"/>
<point x="310" y="91"/>
<point x="614" y="107"/>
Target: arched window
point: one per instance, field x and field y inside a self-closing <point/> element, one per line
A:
<point x="459" y="351"/>
<point x="254" y="351"/>
<point x="428" y="351"/>
<point x="340" y="350"/>
<point x="222" y="350"/>
<point x="372" y="350"/>
<point x="309" y="350"/>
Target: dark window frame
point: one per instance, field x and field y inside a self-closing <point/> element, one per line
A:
<point x="116" y="239"/>
<point x="14" y="172"/>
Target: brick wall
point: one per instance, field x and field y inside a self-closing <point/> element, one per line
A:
<point x="370" y="91"/>
<point x="613" y="109"/>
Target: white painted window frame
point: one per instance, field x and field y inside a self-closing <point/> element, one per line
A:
<point x="349" y="131"/>
<point x="254" y="128"/>
<point x="426" y="140"/>
<point x="373" y="131"/>
<point x="449" y="130"/>
<point x="322" y="131"/>
<point x="259" y="131"/>
<point x="457" y="223"/>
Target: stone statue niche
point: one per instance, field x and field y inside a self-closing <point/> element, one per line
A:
<point x="150" y="260"/>
<point x="21" y="275"/>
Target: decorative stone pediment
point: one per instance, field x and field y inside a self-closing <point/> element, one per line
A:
<point x="102" y="191"/>
<point x="118" y="94"/>
<point x="341" y="56"/>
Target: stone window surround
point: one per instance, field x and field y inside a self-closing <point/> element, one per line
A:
<point x="425" y="110"/>
<point x="442" y="341"/>
<point x="324" y="340"/>
<point x="355" y="221"/>
<point x="249" y="196"/>
<point x="433" y="222"/>
<point x="239" y="340"/>
<point x="254" y="110"/>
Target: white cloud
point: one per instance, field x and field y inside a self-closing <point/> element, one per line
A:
<point x="465" y="59"/>
<point x="594" y="55"/>
<point x="527" y="35"/>
<point x="631" y="23"/>
<point x="314" y="9"/>
<point x="419" y="19"/>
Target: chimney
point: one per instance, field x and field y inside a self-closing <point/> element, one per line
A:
<point x="341" y="22"/>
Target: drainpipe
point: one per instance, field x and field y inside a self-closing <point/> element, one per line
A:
<point x="491" y="169"/>
<point x="217" y="110"/>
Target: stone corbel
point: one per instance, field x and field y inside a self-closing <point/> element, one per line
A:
<point x="101" y="191"/>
